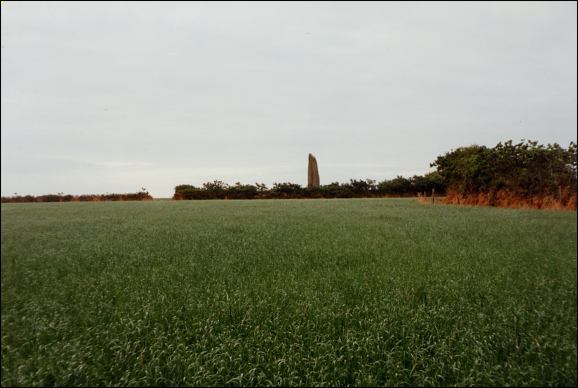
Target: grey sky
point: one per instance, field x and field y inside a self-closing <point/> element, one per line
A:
<point x="112" y="97"/>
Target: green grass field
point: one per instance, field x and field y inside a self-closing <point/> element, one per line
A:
<point x="296" y="292"/>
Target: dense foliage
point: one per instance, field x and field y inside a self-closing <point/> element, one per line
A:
<point x="140" y="196"/>
<point x="397" y="187"/>
<point x="526" y="170"/>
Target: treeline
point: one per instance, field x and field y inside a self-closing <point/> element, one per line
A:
<point x="526" y="174"/>
<point x="140" y="196"/>
<point x="397" y="187"/>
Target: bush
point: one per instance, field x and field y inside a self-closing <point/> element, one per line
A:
<point x="354" y="189"/>
<point x="524" y="170"/>
<point x="140" y="196"/>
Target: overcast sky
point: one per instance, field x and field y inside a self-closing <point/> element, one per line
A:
<point x="112" y="97"/>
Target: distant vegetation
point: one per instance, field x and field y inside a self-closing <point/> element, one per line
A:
<point x="526" y="174"/>
<point x="140" y="196"/>
<point x="397" y="187"/>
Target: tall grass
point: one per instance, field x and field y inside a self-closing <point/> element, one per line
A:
<point x="300" y="292"/>
<point x="566" y="200"/>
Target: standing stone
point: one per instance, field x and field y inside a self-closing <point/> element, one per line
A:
<point x="312" y="173"/>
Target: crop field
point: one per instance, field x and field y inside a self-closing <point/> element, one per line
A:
<point x="287" y="292"/>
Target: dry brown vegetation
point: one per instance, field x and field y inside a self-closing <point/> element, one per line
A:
<point x="505" y="198"/>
